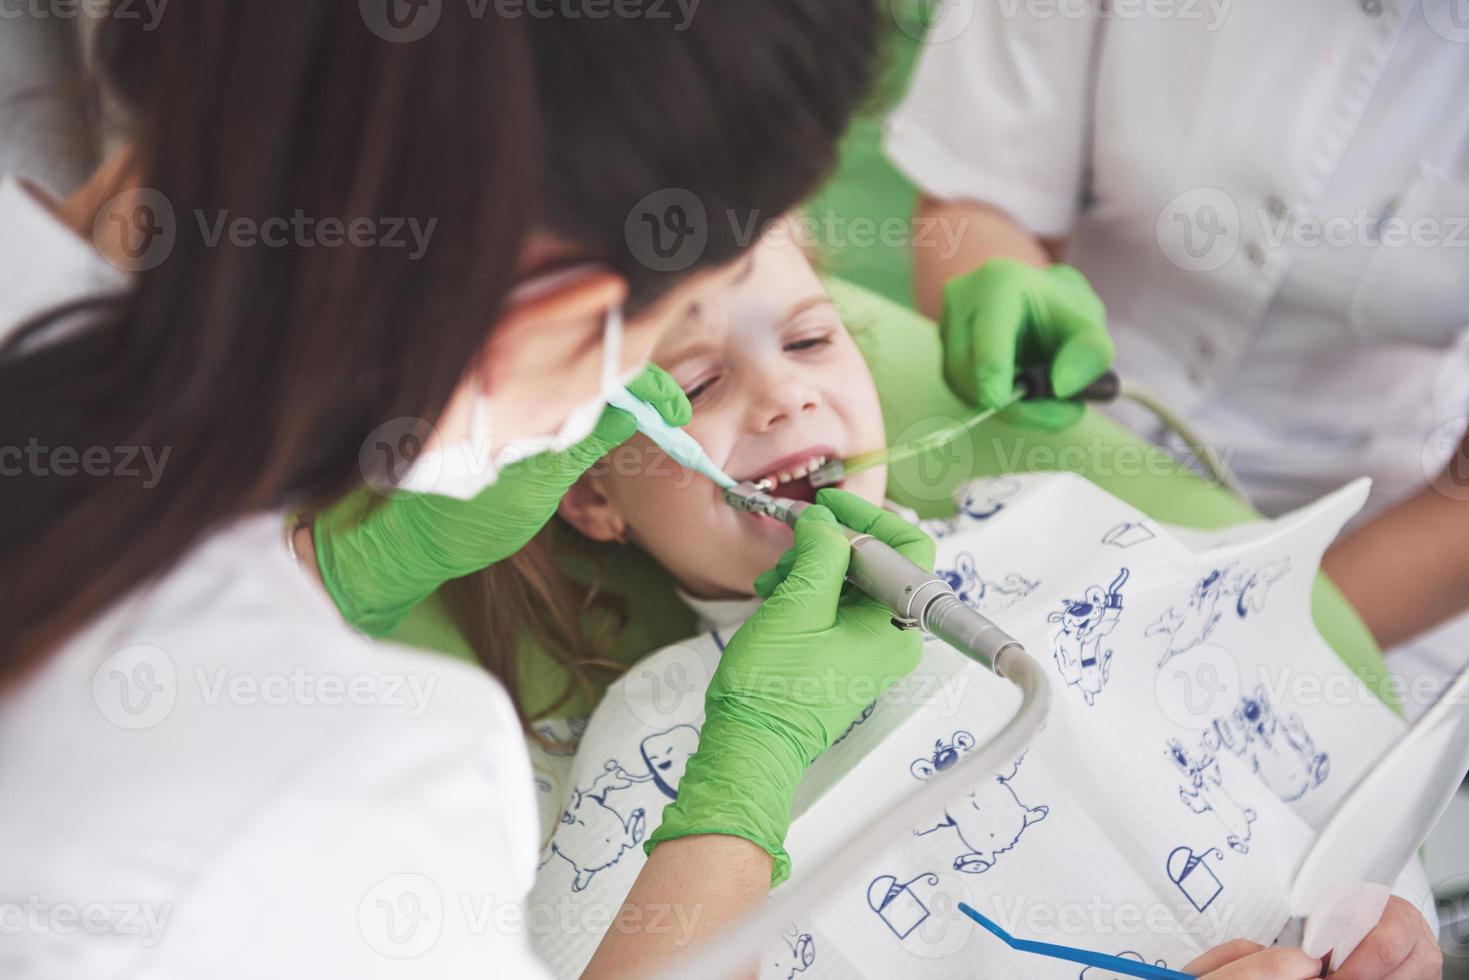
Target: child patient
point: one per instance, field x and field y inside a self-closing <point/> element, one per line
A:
<point x="1180" y="776"/>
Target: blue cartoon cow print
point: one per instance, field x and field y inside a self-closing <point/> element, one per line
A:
<point x="594" y="833"/>
<point x="988" y="821"/>
<point x="1279" y="750"/>
<point x="1191" y="626"/>
<point x="1203" y="792"/>
<point x="1077" y="646"/>
<point x="981" y="595"/>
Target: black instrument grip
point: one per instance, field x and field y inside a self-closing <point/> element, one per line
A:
<point x="1035" y="381"/>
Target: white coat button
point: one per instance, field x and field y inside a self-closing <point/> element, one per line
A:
<point x="1205" y="347"/>
<point x="1372" y="8"/>
<point x="1196" y="376"/>
<point x="1275" y="206"/>
<point x="1255" y="254"/>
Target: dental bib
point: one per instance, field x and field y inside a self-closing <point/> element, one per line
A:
<point x="1201" y="733"/>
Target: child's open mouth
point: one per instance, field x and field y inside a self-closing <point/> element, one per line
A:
<point x="791" y="477"/>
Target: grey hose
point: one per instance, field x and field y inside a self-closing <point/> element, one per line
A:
<point x="734" y="952"/>
<point x="1204" y="453"/>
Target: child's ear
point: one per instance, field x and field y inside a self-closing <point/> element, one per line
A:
<point x="586" y="508"/>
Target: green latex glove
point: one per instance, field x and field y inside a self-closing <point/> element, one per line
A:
<point x="380" y="558"/>
<point x="1007" y="315"/>
<point x="793" y="679"/>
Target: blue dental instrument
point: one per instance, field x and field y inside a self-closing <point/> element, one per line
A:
<point x="1116" y="964"/>
<point x="681" y="447"/>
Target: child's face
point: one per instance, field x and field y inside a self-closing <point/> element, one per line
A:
<point x="775" y="381"/>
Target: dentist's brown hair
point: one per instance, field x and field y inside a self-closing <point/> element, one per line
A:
<point x="262" y="370"/>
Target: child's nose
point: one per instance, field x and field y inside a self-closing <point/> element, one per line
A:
<point x="783" y="397"/>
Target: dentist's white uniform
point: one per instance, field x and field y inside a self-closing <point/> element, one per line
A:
<point x="1271" y="198"/>
<point x="220" y="779"/>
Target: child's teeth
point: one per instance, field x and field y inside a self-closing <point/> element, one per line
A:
<point x="766" y="484"/>
<point x="798" y="472"/>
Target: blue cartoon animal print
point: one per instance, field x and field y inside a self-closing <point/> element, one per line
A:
<point x="1102" y="973"/>
<point x="1251" y="588"/>
<point x="794" y="954"/>
<point x="981" y="595"/>
<point x="984" y="499"/>
<point x="988" y="821"/>
<point x="595" y="834"/>
<point x="1279" y="750"/>
<point x="1077" y="645"/>
<point x="945" y="754"/>
<point x="1191" y="626"/>
<point x="1203" y="792"/>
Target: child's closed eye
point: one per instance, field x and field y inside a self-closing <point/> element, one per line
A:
<point x="699" y="388"/>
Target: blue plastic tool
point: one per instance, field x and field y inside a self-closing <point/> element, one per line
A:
<point x="679" y="445"/>
<point x="1117" y="964"/>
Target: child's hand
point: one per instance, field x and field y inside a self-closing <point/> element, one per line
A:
<point x="1400" y="946"/>
<point x="1244" y="960"/>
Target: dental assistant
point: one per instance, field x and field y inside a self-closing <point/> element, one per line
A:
<point x="203" y="770"/>
<point x="1272" y="202"/>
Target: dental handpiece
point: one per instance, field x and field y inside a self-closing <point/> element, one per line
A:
<point x="918" y="599"/>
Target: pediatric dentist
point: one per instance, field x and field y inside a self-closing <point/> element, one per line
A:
<point x="203" y="771"/>
<point x="1273" y="204"/>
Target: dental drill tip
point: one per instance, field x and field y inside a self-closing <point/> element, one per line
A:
<point x="828" y="474"/>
